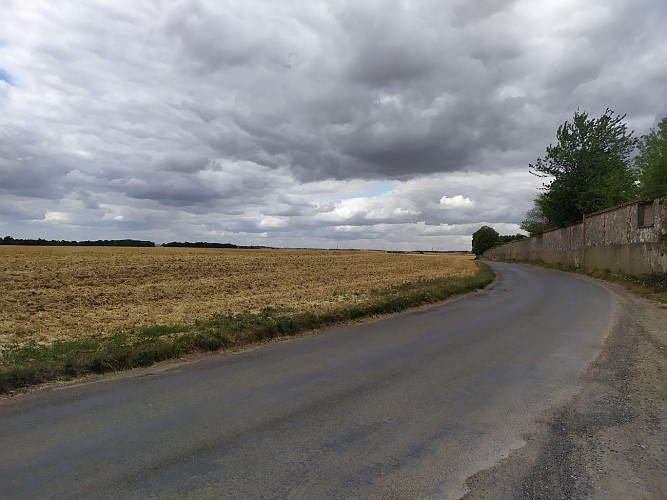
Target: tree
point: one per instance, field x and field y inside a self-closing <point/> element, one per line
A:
<point x="589" y="168"/>
<point x="652" y="162"/>
<point x="536" y="221"/>
<point x="506" y="238"/>
<point x="483" y="239"/>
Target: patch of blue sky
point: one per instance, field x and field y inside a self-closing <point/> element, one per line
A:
<point x="6" y="77"/>
<point x="380" y="188"/>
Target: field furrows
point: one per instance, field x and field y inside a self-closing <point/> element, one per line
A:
<point x="52" y="293"/>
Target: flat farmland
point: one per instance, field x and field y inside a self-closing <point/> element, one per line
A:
<point x="62" y="293"/>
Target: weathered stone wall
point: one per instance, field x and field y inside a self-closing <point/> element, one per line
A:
<point x="631" y="238"/>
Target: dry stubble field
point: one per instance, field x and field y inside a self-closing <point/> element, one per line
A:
<point x="59" y="293"/>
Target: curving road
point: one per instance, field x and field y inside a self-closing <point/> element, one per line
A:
<point x="407" y="406"/>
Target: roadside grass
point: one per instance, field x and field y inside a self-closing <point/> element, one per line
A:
<point x="33" y="363"/>
<point x="651" y="286"/>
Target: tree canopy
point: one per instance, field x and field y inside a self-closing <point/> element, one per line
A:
<point x="483" y="239"/>
<point x="486" y="237"/>
<point x="536" y="221"/>
<point x="652" y="162"/>
<point x="589" y="169"/>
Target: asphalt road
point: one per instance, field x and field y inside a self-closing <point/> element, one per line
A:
<point x="403" y="407"/>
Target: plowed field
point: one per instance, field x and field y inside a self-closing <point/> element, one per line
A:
<point x="51" y="293"/>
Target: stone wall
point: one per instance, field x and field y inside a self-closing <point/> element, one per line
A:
<point x="630" y="238"/>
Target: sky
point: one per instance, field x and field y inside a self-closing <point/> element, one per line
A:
<point x="397" y="125"/>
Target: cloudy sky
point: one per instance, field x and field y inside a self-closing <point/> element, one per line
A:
<point x="304" y="123"/>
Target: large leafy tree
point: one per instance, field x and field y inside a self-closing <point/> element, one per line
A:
<point x="588" y="169"/>
<point x="483" y="239"/>
<point x="652" y="162"/>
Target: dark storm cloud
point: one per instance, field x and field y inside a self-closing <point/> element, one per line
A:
<point x="180" y="161"/>
<point x="389" y="48"/>
<point x="31" y="179"/>
<point x="370" y="91"/>
<point x="28" y="166"/>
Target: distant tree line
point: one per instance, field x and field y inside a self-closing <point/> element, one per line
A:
<point x="8" y="240"/>
<point x="204" y="244"/>
<point x="199" y="244"/>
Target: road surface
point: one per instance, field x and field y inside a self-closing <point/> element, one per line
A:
<point x="402" y="407"/>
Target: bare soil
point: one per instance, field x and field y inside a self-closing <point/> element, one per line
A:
<point x="609" y="441"/>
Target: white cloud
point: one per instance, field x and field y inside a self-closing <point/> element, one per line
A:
<point x="56" y="217"/>
<point x="457" y="201"/>
<point x="273" y="222"/>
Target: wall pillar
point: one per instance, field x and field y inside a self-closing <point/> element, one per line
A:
<point x="583" y="242"/>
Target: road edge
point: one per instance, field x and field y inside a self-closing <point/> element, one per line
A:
<point x="609" y="440"/>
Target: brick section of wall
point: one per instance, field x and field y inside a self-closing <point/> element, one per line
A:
<point x="611" y="239"/>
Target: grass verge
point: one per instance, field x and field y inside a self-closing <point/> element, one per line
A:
<point x="651" y="286"/>
<point x="32" y="364"/>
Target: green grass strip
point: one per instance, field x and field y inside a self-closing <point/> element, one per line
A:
<point x="33" y="364"/>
